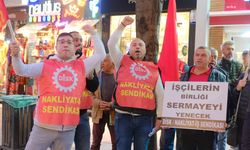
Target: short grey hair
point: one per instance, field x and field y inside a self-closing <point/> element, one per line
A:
<point x="213" y="51"/>
<point x="230" y="43"/>
<point x="245" y="52"/>
<point x="205" y="48"/>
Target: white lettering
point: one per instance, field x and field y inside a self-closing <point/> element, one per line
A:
<point x="47" y="8"/>
<point x="65" y="78"/>
<point x="139" y="69"/>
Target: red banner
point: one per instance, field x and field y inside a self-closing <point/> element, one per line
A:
<point x="168" y="62"/>
<point x="231" y="5"/>
<point x="230" y="20"/>
<point x="3" y="15"/>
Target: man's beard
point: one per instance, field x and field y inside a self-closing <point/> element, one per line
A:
<point x="229" y="57"/>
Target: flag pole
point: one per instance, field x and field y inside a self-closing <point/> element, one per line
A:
<point x="12" y="33"/>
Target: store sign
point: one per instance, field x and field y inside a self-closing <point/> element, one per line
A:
<point x="72" y="9"/>
<point x="56" y="10"/>
<point x="231" y="5"/>
<point x="92" y="10"/>
<point x="45" y="12"/>
<point x="93" y="6"/>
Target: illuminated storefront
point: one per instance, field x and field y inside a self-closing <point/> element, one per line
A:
<point x="48" y="18"/>
<point x="231" y="22"/>
<point x="17" y="14"/>
<point x="45" y="19"/>
<point x="55" y="11"/>
<point x="182" y="29"/>
<point x="127" y="7"/>
<point x="3" y="63"/>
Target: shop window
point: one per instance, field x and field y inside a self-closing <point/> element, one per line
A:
<point x="128" y="34"/>
<point x="182" y="30"/>
<point x="3" y="63"/>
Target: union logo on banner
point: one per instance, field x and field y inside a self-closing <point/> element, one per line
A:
<point x="3" y="15"/>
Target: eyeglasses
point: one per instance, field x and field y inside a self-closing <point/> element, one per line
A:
<point x="69" y="42"/>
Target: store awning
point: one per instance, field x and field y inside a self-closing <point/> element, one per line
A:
<point x="77" y="25"/>
<point x="32" y="27"/>
<point x="222" y="18"/>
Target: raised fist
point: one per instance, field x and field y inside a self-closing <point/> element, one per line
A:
<point x="89" y="29"/>
<point x="14" y="49"/>
<point x="127" y="20"/>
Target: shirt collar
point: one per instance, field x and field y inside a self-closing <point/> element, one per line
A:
<point x="206" y="73"/>
<point x="59" y="59"/>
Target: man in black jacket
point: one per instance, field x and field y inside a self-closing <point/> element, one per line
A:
<point x="82" y="134"/>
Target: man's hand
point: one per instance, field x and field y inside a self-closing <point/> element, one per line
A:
<point x="158" y="123"/>
<point x="127" y="21"/>
<point x="104" y="105"/>
<point x="89" y="29"/>
<point x="14" y="49"/>
<point x="241" y="84"/>
<point x="90" y="76"/>
<point x="226" y="127"/>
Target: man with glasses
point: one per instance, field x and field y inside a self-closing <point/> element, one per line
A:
<point x="61" y="81"/>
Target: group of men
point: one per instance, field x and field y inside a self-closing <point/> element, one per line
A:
<point x="127" y="100"/>
<point x="61" y="82"/>
<point x="225" y="70"/>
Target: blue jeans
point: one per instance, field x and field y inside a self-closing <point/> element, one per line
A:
<point x="222" y="141"/>
<point x="82" y="134"/>
<point x="130" y="128"/>
<point x="167" y="139"/>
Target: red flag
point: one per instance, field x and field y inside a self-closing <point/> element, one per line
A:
<point x="3" y="15"/>
<point x="168" y="61"/>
